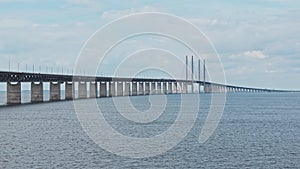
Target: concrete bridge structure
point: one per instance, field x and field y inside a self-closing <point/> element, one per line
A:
<point x="106" y="86"/>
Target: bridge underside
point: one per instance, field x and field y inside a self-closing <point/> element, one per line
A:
<point x="95" y="87"/>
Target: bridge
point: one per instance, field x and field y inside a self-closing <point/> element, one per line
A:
<point x="106" y="86"/>
<point x="99" y="87"/>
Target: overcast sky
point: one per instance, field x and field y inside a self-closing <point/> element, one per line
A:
<point x="258" y="41"/>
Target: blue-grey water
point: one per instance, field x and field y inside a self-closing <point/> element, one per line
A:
<point x="257" y="130"/>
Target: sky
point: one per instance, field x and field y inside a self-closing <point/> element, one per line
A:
<point x="258" y="41"/>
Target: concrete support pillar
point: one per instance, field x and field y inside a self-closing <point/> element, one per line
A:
<point x="127" y="89"/>
<point x="69" y="90"/>
<point x="13" y="93"/>
<point x="180" y="85"/>
<point x="103" y="89"/>
<point x="54" y="91"/>
<point x="82" y="90"/>
<point x="36" y="92"/>
<point x="134" y="88"/>
<point x="176" y="87"/>
<point x="112" y="89"/>
<point x="153" y="88"/>
<point x="213" y="88"/>
<point x="93" y="89"/>
<point x="119" y="88"/>
<point x="141" y="88"/>
<point x="147" y="88"/>
<point x="184" y="87"/>
<point x="158" y="88"/>
<point x="206" y="88"/>
<point x="170" y="91"/>
<point x="165" y="89"/>
<point x="209" y="88"/>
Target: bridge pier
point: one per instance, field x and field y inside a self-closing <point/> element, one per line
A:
<point x="112" y="89"/>
<point x="223" y="89"/>
<point x="175" y="89"/>
<point x="36" y="92"/>
<point x="170" y="91"/>
<point x="93" y="89"/>
<point x="158" y="88"/>
<point x="208" y="88"/>
<point x="165" y="88"/>
<point x="82" y="90"/>
<point x="134" y="89"/>
<point x="141" y="88"/>
<point x="216" y="89"/>
<point x="54" y="91"/>
<point x="127" y="89"/>
<point x="152" y="88"/>
<point x="180" y="88"/>
<point x="69" y="90"/>
<point x="119" y="88"/>
<point x="184" y="88"/>
<point x="13" y="93"/>
<point x="103" y="89"/>
<point x="147" y="88"/>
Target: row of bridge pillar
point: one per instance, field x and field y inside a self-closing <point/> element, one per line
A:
<point x="114" y="89"/>
<point x="211" y="88"/>
<point x="111" y="89"/>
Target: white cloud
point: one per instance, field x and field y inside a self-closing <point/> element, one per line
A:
<point x="14" y="23"/>
<point x="266" y="38"/>
<point x="256" y="54"/>
<point x="115" y="14"/>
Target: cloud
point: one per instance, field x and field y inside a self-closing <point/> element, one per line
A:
<point x="256" y="54"/>
<point x="263" y="35"/>
<point x="115" y="14"/>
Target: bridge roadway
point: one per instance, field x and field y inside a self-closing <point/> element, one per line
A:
<point x="107" y="86"/>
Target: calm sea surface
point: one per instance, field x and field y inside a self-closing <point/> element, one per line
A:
<point x="257" y="130"/>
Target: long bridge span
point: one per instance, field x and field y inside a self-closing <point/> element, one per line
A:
<point x="107" y="86"/>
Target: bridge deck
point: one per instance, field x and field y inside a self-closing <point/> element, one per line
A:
<point x="40" y="77"/>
